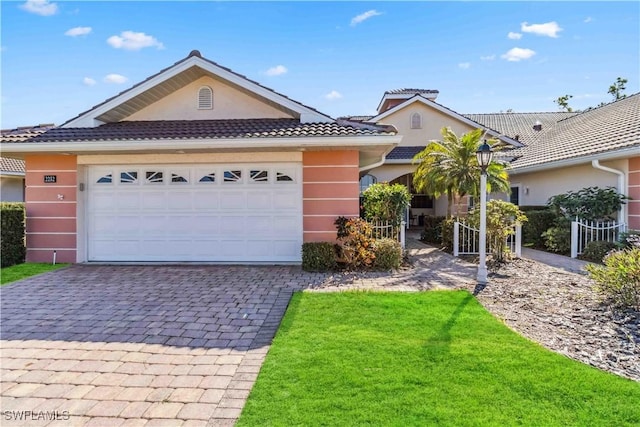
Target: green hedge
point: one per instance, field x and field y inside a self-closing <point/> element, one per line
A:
<point x="12" y="233"/>
<point x="388" y="254"/>
<point x="432" y="232"/>
<point x="540" y="220"/>
<point x="318" y="256"/>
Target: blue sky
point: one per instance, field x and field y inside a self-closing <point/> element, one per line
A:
<point x="60" y="58"/>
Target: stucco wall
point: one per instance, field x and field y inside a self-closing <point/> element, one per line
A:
<point x="228" y="103"/>
<point x="633" y="191"/>
<point x="330" y="189"/>
<point x="51" y="208"/>
<point x="12" y="189"/>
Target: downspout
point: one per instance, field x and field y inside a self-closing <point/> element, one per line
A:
<point x="622" y="216"/>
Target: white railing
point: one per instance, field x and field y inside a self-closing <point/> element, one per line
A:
<point x="583" y="232"/>
<point x="386" y="230"/>
<point x="466" y="240"/>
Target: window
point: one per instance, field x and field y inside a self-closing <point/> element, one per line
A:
<point x="416" y="121"/>
<point x="233" y="176"/>
<point x="366" y="181"/>
<point x="210" y="177"/>
<point x="154" y="177"/>
<point x="128" y="177"/>
<point x="421" y="201"/>
<point x="514" y="197"/>
<point x="205" y="98"/>
<point x="105" y="179"/>
<point x="283" y="177"/>
<point x="175" y="177"/>
<point x="259" y="175"/>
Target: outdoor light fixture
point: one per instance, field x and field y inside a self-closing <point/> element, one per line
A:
<point x="484" y="156"/>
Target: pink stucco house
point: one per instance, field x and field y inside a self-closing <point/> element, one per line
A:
<point x="195" y="163"/>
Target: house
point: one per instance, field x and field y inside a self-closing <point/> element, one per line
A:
<point x="597" y="147"/>
<point x="195" y="163"/>
<point x="12" y="170"/>
<point x="419" y="119"/>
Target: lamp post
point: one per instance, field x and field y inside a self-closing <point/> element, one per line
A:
<point x="484" y="156"/>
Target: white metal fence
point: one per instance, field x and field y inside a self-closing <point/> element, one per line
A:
<point x="583" y="232"/>
<point x="386" y="230"/>
<point x="466" y="240"/>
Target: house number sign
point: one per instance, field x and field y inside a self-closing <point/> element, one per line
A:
<point x="50" y="179"/>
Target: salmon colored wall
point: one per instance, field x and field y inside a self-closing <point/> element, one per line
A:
<point x="633" y="191"/>
<point x="330" y="189"/>
<point x="51" y="208"/>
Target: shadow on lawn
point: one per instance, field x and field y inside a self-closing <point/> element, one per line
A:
<point x="437" y="345"/>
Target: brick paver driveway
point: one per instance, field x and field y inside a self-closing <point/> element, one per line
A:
<point x="138" y="345"/>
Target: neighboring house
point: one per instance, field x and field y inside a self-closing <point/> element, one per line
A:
<point x="195" y="163"/>
<point x="598" y="147"/>
<point x="12" y="170"/>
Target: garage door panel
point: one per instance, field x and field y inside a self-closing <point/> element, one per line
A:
<point x="196" y="217"/>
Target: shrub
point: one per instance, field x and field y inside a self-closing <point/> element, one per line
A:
<point x="318" y="256"/>
<point x="591" y="203"/>
<point x="386" y="202"/>
<point x="355" y="243"/>
<point x="557" y="239"/>
<point x="12" y="234"/>
<point x="595" y="251"/>
<point x="618" y="281"/>
<point x="532" y="230"/>
<point x="388" y="254"/>
<point x="447" y="234"/>
<point x="432" y="232"/>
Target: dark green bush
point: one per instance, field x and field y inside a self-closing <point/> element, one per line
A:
<point x="388" y="254"/>
<point x="12" y="233"/>
<point x="595" y="251"/>
<point x="532" y="230"/>
<point x="558" y="238"/>
<point x="447" y="234"/>
<point x="432" y="232"/>
<point x="618" y="281"/>
<point x="318" y="256"/>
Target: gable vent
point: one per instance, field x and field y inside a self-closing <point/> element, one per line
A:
<point x="205" y="98"/>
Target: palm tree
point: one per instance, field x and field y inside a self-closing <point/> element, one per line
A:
<point x="450" y="167"/>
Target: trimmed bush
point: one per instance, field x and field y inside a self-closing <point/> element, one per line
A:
<point x="432" y="232"/>
<point x="532" y="230"/>
<point x="388" y="254"/>
<point x="595" y="251"/>
<point x="618" y="281"/>
<point x="557" y="239"/>
<point x="12" y="234"/>
<point x="447" y="234"/>
<point x="318" y="256"/>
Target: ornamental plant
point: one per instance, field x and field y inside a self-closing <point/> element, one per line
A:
<point x="355" y="243"/>
<point x="501" y="217"/>
<point x="386" y="202"/>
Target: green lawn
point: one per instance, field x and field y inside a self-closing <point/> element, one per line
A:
<point x="22" y="271"/>
<point x="423" y="359"/>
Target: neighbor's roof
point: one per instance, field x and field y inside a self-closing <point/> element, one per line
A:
<point x="612" y="127"/>
<point x="519" y="126"/>
<point x="21" y="134"/>
<point x="11" y="165"/>
<point x="409" y="91"/>
<point x="208" y="129"/>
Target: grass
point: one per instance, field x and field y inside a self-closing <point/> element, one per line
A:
<point x="22" y="271"/>
<point x="423" y="359"/>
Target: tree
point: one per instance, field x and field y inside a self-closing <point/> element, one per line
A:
<point x="450" y="167"/>
<point x="616" y="89"/>
<point x="563" y="103"/>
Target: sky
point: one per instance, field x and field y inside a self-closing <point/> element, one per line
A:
<point x="60" y="58"/>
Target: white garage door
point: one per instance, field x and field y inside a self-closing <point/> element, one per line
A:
<point x="244" y="212"/>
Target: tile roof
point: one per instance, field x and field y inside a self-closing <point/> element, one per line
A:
<point x="608" y="128"/>
<point x="208" y="129"/>
<point x="23" y="133"/>
<point x="519" y="126"/>
<point x="404" y="153"/>
<point x="409" y="91"/>
<point x="11" y="165"/>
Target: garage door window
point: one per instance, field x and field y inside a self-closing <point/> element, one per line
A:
<point x="178" y="178"/>
<point x="128" y="177"/>
<point x="210" y="177"/>
<point x="107" y="179"/>
<point x="284" y="176"/>
<point x="233" y="176"/>
<point x="259" y="176"/>
<point x="154" y="177"/>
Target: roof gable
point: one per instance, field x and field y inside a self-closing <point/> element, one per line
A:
<point x="446" y="111"/>
<point x="179" y="75"/>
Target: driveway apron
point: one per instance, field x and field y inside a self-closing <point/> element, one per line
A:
<point x="138" y="345"/>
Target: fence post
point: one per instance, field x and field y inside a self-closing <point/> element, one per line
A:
<point x="402" y="234"/>
<point x="456" y="235"/>
<point x="518" y="240"/>
<point x="574" y="239"/>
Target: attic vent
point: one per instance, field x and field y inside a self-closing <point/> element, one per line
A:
<point x="416" y="121"/>
<point x="205" y="98"/>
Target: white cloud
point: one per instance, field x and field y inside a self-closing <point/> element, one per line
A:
<point x="464" y="65"/>
<point x="129" y="40"/>
<point x="78" y="31"/>
<point x="334" y="94"/>
<point x="88" y="81"/>
<point x="364" y="16"/>
<point x="488" y="58"/>
<point x="40" y="7"/>
<point x="514" y="36"/>
<point x="115" y="78"/>
<point x="278" y="70"/>
<point x="549" y="29"/>
<point x="518" y="54"/>
<point x="587" y="19"/>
